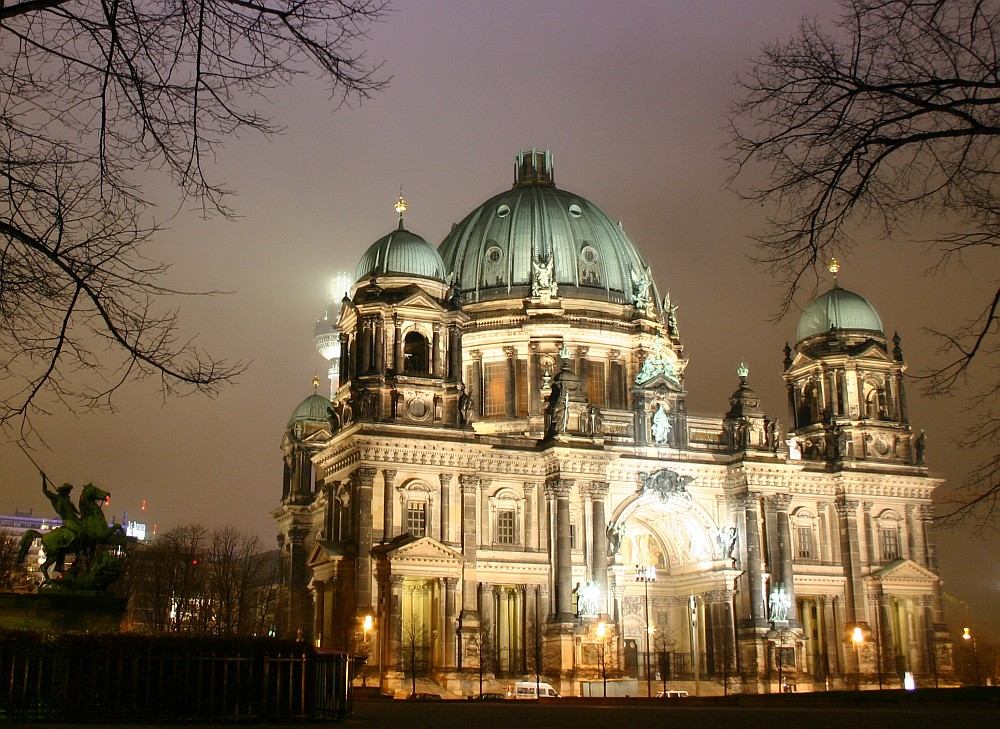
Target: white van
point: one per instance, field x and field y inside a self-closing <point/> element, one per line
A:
<point x="532" y="690"/>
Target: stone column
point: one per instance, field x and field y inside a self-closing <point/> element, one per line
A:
<point x="446" y="479"/>
<point x="300" y="601"/>
<point x="748" y="504"/>
<point x="379" y="344"/>
<point x="345" y="360"/>
<point x="559" y="489"/>
<point x="866" y="510"/>
<point x="484" y="512"/>
<point x="831" y="635"/>
<point x="510" y="380"/>
<point x="779" y="503"/>
<point x="450" y="623"/>
<point x="454" y="353"/>
<point x="534" y="383"/>
<point x="599" y="542"/>
<point x="397" y="344"/>
<point x="584" y="371"/>
<point x="476" y="386"/>
<point x="434" y="366"/>
<point x="470" y="541"/>
<point x="915" y="535"/>
<point x="395" y="632"/>
<point x="388" y="482"/>
<point x="329" y="499"/>
<point x="364" y="480"/>
<point x="530" y="530"/>
<point x="847" y="511"/>
<point x="319" y="601"/>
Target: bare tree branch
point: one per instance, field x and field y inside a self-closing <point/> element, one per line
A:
<point x="892" y="114"/>
<point x="95" y="95"/>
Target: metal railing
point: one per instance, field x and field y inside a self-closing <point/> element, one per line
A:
<point x="115" y="686"/>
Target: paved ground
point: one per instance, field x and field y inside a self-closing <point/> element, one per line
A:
<point x="523" y="714"/>
<point x="674" y="714"/>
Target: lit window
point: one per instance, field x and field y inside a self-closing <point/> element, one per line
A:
<point x="596" y="383"/>
<point x="805" y="547"/>
<point x="416" y="518"/>
<point x="506" y="527"/>
<point x="889" y="537"/>
<point x="495" y="390"/>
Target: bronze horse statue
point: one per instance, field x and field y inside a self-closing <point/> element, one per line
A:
<point x="84" y="529"/>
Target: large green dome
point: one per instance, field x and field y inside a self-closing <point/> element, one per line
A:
<point x="490" y="253"/>
<point x="314" y="409"/>
<point x="838" y="309"/>
<point x="401" y="253"/>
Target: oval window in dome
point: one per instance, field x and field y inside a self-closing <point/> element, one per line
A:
<point x="503" y="211"/>
<point x="575" y="210"/>
<point x="494" y="254"/>
<point x="589" y="254"/>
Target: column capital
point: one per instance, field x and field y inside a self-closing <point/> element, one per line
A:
<point x="389" y="476"/>
<point x="866" y="506"/>
<point x="846" y="507"/>
<point x="745" y="500"/>
<point x="779" y="502"/>
<point x="529" y="487"/>
<point x="364" y="476"/>
<point x="559" y="488"/>
<point x="445" y="479"/>
<point x="396" y="581"/>
<point x="598" y="490"/>
<point x="476" y="355"/>
<point x="509" y="351"/>
<point x="450" y="583"/>
<point x="468" y="483"/>
<point x="485" y="483"/>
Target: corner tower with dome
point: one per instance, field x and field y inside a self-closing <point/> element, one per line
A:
<point x="508" y="482"/>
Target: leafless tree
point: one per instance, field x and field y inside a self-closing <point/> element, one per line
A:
<point x="169" y="594"/>
<point x="13" y="577"/>
<point x="96" y="97"/>
<point x="414" y="651"/>
<point x="889" y="117"/>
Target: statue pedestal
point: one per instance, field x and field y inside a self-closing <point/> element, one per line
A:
<point x="76" y="611"/>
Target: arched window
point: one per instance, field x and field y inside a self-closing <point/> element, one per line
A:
<point x="415" y="354"/>
<point x="888" y="535"/>
<point x="416" y="515"/>
<point x="507" y="518"/>
<point x="875" y="400"/>
<point x="804" y="536"/>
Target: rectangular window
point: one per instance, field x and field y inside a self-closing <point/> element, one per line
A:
<point x="572" y="536"/>
<point x="493" y="407"/>
<point x="805" y="549"/>
<point x="617" y="399"/>
<point x="597" y="386"/>
<point x="890" y="544"/>
<point x="416" y="518"/>
<point x="521" y="379"/>
<point x="506" y="527"/>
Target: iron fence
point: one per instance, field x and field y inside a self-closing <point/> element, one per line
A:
<point x="109" y="687"/>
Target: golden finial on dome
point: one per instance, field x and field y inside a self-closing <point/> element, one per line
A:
<point x="833" y="268"/>
<point x="316" y="382"/>
<point x="400" y="206"/>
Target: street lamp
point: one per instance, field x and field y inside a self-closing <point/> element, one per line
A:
<point x="857" y="638"/>
<point x="967" y="636"/>
<point x="367" y="626"/>
<point x="645" y="575"/>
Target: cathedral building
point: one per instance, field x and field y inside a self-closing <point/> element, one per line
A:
<point x="507" y="479"/>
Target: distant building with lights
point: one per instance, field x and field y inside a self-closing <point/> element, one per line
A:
<point x="507" y="475"/>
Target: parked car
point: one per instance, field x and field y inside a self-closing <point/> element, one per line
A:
<point x="423" y="697"/>
<point x="489" y="696"/>
<point x="672" y="694"/>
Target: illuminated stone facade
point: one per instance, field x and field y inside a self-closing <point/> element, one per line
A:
<point x="508" y="461"/>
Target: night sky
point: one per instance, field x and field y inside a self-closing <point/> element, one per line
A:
<point x="631" y="100"/>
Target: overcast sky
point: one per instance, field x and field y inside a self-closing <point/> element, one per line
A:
<point x="629" y="97"/>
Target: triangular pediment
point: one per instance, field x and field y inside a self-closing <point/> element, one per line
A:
<point x="898" y="576"/>
<point x="419" y="555"/>
<point x="323" y="552"/>
<point x="420" y="299"/>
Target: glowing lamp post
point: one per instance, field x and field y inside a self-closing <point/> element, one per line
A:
<point x="969" y="638"/>
<point x="645" y="575"/>
<point x="367" y="626"/>
<point x="857" y="638"/>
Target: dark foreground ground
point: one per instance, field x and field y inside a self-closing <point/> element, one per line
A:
<point x="891" y="710"/>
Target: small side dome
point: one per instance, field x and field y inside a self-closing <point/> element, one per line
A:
<point x="838" y="309"/>
<point x="401" y="253"/>
<point x="314" y="409"/>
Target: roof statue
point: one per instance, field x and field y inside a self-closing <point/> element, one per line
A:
<point x="657" y="363"/>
